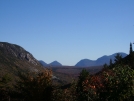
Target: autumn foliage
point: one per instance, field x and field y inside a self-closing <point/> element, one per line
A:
<point x="111" y="85"/>
<point x="35" y="87"/>
<point x="115" y="82"/>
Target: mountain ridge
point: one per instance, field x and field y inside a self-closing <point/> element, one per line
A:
<point x="88" y="62"/>
<point x="100" y="61"/>
<point x="54" y="63"/>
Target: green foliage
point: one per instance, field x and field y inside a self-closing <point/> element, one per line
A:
<point x="119" y="85"/>
<point x="116" y="84"/>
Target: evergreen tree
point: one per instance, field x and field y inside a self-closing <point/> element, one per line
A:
<point x="131" y="56"/>
<point x="105" y="65"/>
<point x="84" y="74"/>
<point x="131" y="50"/>
<point x="82" y="96"/>
<point x="110" y="63"/>
<point x="118" y="58"/>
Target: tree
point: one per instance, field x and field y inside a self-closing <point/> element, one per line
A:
<point x="82" y="95"/>
<point x="105" y="65"/>
<point x="131" y="50"/>
<point x="118" y="58"/>
<point x="36" y="87"/>
<point x="110" y="63"/>
<point x="119" y="85"/>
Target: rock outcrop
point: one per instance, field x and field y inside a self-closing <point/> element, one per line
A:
<point x="17" y="51"/>
<point x="14" y="58"/>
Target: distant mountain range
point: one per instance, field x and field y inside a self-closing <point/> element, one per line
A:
<point x="54" y="63"/>
<point x="87" y="62"/>
<point x="100" y="61"/>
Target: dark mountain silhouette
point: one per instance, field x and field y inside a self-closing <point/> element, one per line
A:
<point x="100" y="61"/>
<point x="55" y="63"/>
<point x="43" y="63"/>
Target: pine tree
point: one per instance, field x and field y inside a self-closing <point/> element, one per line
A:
<point x="131" y="50"/>
<point x="84" y="74"/>
<point x="118" y="58"/>
<point x="110" y="62"/>
<point x="131" y="56"/>
<point x="105" y="65"/>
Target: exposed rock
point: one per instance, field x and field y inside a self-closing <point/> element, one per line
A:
<point x="18" y="52"/>
<point x="15" y="60"/>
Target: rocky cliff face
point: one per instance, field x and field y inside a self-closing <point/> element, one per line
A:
<point x="18" y="52"/>
<point x="14" y="58"/>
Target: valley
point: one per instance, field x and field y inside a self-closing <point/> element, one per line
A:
<point x="22" y="75"/>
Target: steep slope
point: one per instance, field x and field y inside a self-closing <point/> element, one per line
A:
<point x="14" y="59"/>
<point x="100" y="61"/>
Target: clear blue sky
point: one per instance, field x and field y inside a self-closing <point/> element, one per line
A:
<point x="68" y="30"/>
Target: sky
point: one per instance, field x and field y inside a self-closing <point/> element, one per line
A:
<point x="68" y="30"/>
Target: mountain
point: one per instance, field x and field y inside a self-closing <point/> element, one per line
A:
<point x="105" y="59"/>
<point x="100" y="61"/>
<point x="55" y="63"/>
<point x="14" y="59"/>
<point x="85" y="63"/>
<point x="43" y="63"/>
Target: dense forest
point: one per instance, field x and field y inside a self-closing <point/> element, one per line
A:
<point x="115" y="82"/>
